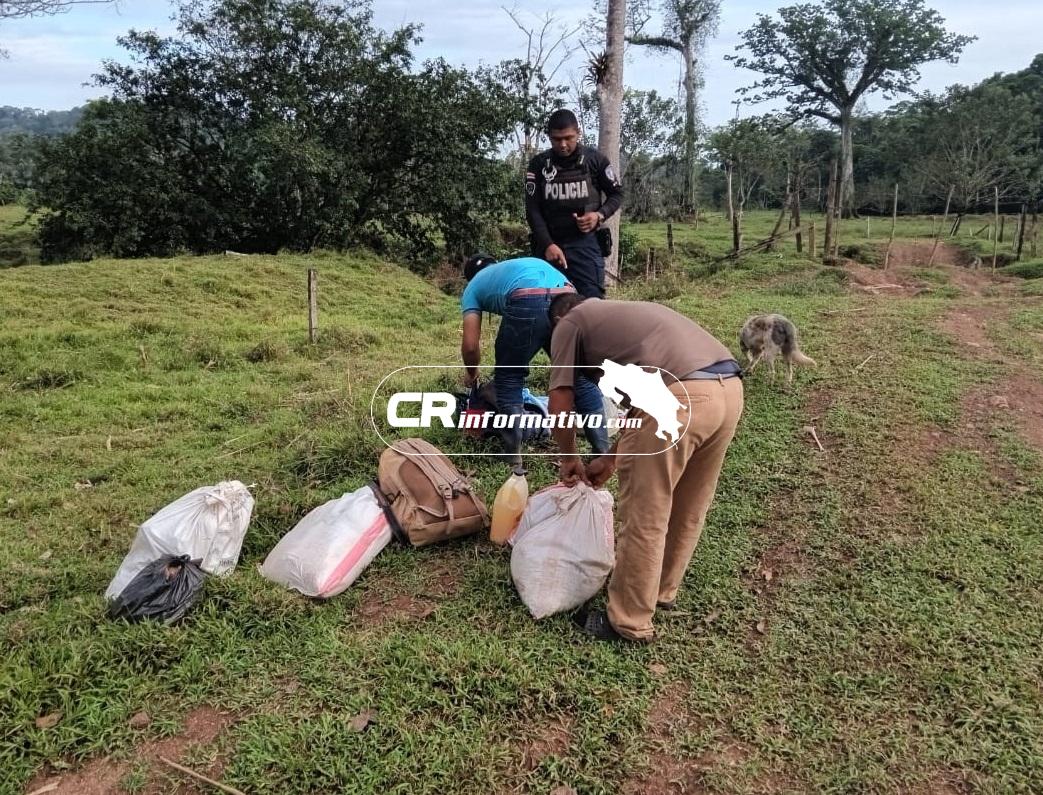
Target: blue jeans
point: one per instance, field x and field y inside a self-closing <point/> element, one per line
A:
<point x="586" y="268"/>
<point x="525" y="331"/>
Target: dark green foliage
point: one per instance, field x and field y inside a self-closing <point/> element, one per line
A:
<point x="629" y="252"/>
<point x="38" y="122"/>
<point x="17" y="151"/>
<point x="862" y="252"/>
<point x="277" y="125"/>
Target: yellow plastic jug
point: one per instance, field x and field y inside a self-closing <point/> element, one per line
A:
<point x="509" y="507"/>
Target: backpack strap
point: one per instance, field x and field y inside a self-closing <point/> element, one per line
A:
<point x="396" y="528"/>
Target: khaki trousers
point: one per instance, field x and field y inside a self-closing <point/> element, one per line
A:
<point x="663" y="499"/>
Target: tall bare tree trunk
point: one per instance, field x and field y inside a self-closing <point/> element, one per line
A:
<point x="691" y="110"/>
<point x="731" y="200"/>
<point x="846" y="197"/>
<point x="782" y="213"/>
<point x="796" y="214"/>
<point x="610" y="104"/>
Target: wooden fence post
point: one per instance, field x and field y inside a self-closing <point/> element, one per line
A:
<point x="894" y="220"/>
<point x="938" y="230"/>
<point x="313" y="304"/>
<point x="670" y="238"/>
<point x="1021" y="231"/>
<point x="1003" y="223"/>
<point x="996" y="233"/>
<point x="1035" y="232"/>
<point x="811" y="240"/>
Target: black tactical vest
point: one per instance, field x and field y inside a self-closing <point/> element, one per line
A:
<point x="567" y="190"/>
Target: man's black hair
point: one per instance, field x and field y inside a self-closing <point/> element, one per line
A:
<point x="562" y="119"/>
<point x="562" y="305"/>
<point x="475" y="263"/>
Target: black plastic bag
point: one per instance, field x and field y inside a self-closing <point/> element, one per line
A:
<point x="164" y="591"/>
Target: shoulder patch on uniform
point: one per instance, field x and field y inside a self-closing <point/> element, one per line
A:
<point x="530" y="187"/>
<point x="611" y="173"/>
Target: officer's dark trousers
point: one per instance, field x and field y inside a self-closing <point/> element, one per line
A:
<point x="524" y="331"/>
<point x="586" y="266"/>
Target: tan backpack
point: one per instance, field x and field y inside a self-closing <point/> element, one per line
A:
<point x="426" y="496"/>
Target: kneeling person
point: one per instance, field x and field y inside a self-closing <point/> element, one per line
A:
<point x="668" y="470"/>
<point x="520" y="291"/>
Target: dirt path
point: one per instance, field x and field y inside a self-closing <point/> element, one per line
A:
<point x="1018" y="395"/>
<point x="974" y="327"/>
<point x="104" y="776"/>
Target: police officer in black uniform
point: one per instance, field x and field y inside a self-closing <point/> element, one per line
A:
<point x="564" y="206"/>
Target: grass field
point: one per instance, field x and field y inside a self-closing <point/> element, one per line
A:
<point x="860" y="619"/>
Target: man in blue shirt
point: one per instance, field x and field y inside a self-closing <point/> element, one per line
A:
<point x="520" y="291"/>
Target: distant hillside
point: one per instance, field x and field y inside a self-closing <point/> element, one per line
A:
<point x="38" y="122"/>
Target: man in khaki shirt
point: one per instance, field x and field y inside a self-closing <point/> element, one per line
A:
<point x="667" y="479"/>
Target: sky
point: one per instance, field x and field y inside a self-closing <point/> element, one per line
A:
<point x="51" y="59"/>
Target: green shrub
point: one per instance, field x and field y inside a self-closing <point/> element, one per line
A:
<point x="865" y="253"/>
<point x="1029" y="269"/>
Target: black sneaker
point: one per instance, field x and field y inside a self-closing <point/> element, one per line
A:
<point x="596" y="624"/>
<point x="671" y="605"/>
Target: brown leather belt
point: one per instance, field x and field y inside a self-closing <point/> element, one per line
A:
<point x="521" y="292"/>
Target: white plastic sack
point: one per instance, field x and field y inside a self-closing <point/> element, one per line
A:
<point x="564" y="548"/>
<point x="329" y="548"/>
<point x="207" y="524"/>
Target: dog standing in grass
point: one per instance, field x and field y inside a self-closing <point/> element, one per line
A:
<point x="764" y="337"/>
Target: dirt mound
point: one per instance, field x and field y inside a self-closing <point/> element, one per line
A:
<point x="894" y="281"/>
<point x="917" y="253"/>
<point x="905" y="274"/>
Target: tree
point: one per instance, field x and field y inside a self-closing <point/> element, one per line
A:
<point x="17" y="155"/>
<point x="979" y="140"/>
<point x="269" y="124"/>
<point x="606" y="72"/>
<point x="547" y="49"/>
<point x="648" y="123"/>
<point x="38" y="122"/>
<point x="649" y="131"/>
<point x="824" y="58"/>
<point x="1028" y="83"/>
<point x="749" y="151"/>
<point x="686" y="26"/>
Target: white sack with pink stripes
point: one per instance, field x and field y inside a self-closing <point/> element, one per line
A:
<point x="330" y="547"/>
